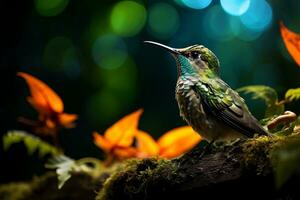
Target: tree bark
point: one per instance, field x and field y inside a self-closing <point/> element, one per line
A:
<point x="240" y="171"/>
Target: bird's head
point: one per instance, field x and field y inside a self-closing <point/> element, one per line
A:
<point x="193" y="60"/>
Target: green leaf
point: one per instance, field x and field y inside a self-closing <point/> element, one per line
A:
<point x="286" y="161"/>
<point x="292" y="94"/>
<point x="31" y="143"/>
<point x="268" y="95"/>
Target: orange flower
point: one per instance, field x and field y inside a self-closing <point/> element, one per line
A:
<point x="146" y="145"/>
<point x="49" y="106"/>
<point x="118" y="139"/>
<point x="291" y="41"/>
<point x="172" y="144"/>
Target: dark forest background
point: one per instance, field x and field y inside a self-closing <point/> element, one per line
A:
<point x="94" y="58"/>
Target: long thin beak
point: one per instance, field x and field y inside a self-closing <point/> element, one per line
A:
<point x="169" y="49"/>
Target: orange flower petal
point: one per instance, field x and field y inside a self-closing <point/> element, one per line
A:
<point x="43" y="98"/>
<point x="67" y="120"/>
<point x="291" y="41"/>
<point x="123" y="153"/>
<point x="123" y="131"/>
<point x="146" y="145"/>
<point x="40" y="105"/>
<point x="178" y="141"/>
<point x="101" y="142"/>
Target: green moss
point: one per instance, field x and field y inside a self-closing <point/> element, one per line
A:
<point x="256" y="153"/>
<point x="260" y="152"/>
<point x="80" y="186"/>
<point x="23" y="190"/>
<point x="137" y="179"/>
<point x="138" y="175"/>
<point x="14" y="191"/>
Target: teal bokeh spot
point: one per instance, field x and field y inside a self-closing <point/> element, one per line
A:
<point x="235" y="7"/>
<point x="196" y="4"/>
<point x="248" y="35"/>
<point x="218" y="24"/>
<point x="242" y="32"/>
<point x="109" y="51"/>
<point x="259" y="15"/>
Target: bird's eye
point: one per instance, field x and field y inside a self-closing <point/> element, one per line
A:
<point x="194" y="54"/>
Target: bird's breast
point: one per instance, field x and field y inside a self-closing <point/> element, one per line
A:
<point x="190" y="105"/>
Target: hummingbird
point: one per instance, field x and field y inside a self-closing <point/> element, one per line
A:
<point x="205" y="101"/>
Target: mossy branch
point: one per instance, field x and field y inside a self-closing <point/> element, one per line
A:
<point x="245" y="166"/>
<point x="257" y="168"/>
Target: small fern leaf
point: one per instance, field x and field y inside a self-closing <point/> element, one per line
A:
<point x="48" y="149"/>
<point x="266" y="93"/>
<point x="31" y="143"/>
<point x="64" y="167"/>
<point x="11" y="138"/>
<point x="292" y="94"/>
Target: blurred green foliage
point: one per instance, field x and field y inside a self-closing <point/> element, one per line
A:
<point x="268" y="95"/>
<point x="286" y="160"/>
<point x="31" y="143"/>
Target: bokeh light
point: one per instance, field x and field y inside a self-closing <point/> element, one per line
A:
<point x="128" y="18"/>
<point x="179" y="2"/>
<point x="259" y="15"/>
<point x="71" y="63"/>
<point x="163" y="20"/>
<point x="214" y="21"/>
<point x="248" y="35"/>
<point x="196" y="4"/>
<point x="126" y="74"/>
<point x="99" y="25"/>
<point x="103" y="103"/>
<point x="60" y="55"/>
<point x="242" y="32"/>
<point x="109" y="51"/>
<point x="235" y="7"/>
<point x="50" y="7"/>
<point x="117" y="88"/>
